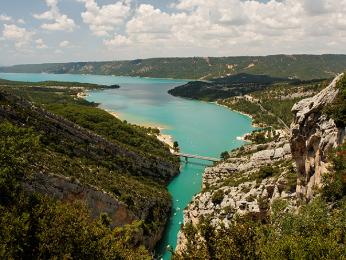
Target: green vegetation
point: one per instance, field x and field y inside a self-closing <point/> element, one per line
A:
<point x="55" y="84"/>
<point x="337" y="110"/>
<point x="62" y="100"/>
<point x="224" y="155"/>
<point x="272" y="106"/>
<point x="283" y="66"/>
<point x="96" y="150"/>
<point x="316" y="231"/>
<point x="221" y="88"/>
<point x="335" y="185"/>
<point x="35" y="226"/>
<point x="176" y="146"/>
<point x="217" y="197"/>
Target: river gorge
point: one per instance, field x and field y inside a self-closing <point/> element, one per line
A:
<point x="200" y="128"/>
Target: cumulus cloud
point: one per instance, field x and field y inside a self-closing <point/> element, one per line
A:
<point x="20" y="21"/>
<point x="59" y="21"/>
<point x="150" y="24"/>
<point x="199" y="27"/>
<point x="20" y="36"/>
<point x="64" y="44"/>
<point x="117" y="41"/>
<point x="40" y="44"/>
<point x="5" y="18"/>
<point x="104" y="19"/>
<point x="229" y="27"/>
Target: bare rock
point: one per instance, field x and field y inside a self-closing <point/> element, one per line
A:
<point x="313" y="135"/>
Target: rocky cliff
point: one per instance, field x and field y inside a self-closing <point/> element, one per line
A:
<point x="256" y="175"/>
<point x="313" y="135"/>
<point x="246" y="183"/>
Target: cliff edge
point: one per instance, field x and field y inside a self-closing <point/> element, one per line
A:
<point x="313" y="135"/>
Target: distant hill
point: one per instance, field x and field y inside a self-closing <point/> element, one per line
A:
<point x="303" y="67"/>
<point x="234" y="85"/>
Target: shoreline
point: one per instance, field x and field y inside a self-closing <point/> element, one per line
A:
<point x="240" y="138"/>
<point x="240" y="112"/>
<point x="164" y="138"/>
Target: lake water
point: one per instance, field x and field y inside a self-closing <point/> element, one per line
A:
<point x="200" y="128"/>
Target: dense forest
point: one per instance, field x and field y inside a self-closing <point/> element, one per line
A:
<point x="232" y="86"/>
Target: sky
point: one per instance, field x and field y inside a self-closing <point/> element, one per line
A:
<point x="39" y="31"/>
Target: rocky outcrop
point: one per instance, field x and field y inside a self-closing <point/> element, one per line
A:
<point x="313" y="135"/>
<point x="237" y="186"/>
<point x="67" y="189"/>
<point x="243" y="190"/>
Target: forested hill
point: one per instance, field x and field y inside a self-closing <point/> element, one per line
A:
<point x="283" y="66"/>
<point x="230" y="86"/>
<point x="76" y="182"/>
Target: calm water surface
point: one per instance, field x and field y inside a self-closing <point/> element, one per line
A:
<point x="199" y="127"/>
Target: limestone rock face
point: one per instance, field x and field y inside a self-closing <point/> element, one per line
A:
<point x="96" y="200"/>
<point x="313" y="135"/>
<point x="244" y="194"/>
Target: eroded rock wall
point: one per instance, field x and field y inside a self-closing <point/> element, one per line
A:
<point x="313" y="135"/>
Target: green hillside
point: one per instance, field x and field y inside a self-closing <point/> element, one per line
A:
<point x="55" y="145"/>
<point x="283" y="66"/>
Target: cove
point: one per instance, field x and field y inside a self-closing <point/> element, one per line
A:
<point x="199" y="127"/>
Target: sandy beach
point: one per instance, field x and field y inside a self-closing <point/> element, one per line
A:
<point x="167" y="139"/>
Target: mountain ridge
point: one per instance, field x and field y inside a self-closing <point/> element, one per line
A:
<point x="301" y="66"/>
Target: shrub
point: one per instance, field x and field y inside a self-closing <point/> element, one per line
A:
<point x="266" y="172"/>
<point x="337" y="110"/>
<point x="217" y="197"/>
<point x="224" y="155"/>
<point x="334" y="187"/>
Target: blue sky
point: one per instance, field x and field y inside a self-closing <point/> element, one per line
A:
<point x="38" y="31"/>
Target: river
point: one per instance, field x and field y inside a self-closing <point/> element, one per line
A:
<point x="199" y="127"/>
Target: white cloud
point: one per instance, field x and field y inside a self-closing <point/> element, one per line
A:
<point x="20" y="21"/>
<point x="104" y="19"/>
<point x="147" y="19"/>
<point x="60" y="22"/>
<point x="40" y="44"/>
<point x="233" y="27"/>
<point x="5" y="18"/>
<point x="197" y="27"/>
<point x="64" y="44"/>
<point x="117" y="41"/>
<point x="20" y="36"/>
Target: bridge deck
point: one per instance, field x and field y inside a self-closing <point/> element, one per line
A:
<point x="197" y="157"/>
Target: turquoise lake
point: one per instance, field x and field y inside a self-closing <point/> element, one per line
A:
<point x="199" y="127"/>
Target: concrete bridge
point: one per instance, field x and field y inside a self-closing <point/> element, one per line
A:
<point x="186" y="156"/>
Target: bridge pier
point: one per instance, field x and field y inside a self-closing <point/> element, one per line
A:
<point x="186" y="159"/>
